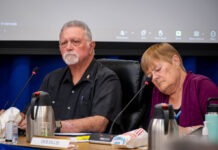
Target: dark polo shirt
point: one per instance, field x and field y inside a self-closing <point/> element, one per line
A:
<point x="97" y="93"/>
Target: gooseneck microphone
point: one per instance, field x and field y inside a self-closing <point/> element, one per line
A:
<point x="34" y="72"/>
<point x="104" y="138"/>
<point x="147" y="82"/>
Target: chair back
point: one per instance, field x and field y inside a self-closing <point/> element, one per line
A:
<point x="132" y="79"/>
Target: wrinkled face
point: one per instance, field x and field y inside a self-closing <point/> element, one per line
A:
<point x="164" y="75"/>
<point x="74" y="46"/>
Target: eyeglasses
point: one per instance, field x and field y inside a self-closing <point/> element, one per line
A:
<point x="74" y="42"/>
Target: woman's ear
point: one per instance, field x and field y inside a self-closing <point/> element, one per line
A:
<point x="176" y="60"/>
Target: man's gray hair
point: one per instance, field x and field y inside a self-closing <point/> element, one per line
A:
<point x="80" y="24"/>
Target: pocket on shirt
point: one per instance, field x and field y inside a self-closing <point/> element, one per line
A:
<point x="85" y="106"/>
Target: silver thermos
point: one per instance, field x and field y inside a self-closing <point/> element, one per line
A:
<point x="40" y="116"/>
<point x="162" y="127"/>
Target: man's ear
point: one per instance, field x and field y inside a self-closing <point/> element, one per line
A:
<point x="92" y="47"/>
<point x="92" y="44"/>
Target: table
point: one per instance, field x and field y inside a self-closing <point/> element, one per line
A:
<point x="188" y="143"/>
<point x="23" y="145"/>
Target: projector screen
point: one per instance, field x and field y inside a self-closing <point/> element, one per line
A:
<point x="179" y="21"/>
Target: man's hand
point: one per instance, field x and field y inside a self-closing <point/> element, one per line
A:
<point x="23" y="122"/>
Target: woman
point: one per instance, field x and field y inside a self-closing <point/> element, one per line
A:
<point x="186" y="91"/>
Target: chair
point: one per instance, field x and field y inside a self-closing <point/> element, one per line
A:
<point x="131" y="77"/>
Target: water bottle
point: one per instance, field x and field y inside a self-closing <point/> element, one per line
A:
<point x="1" y="131"/>
<point x="211" y="120"/>
<point x="11" y="130"/>
<point x="212" y="111"/>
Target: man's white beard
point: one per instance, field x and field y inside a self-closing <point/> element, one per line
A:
<point x="70" y="58"/>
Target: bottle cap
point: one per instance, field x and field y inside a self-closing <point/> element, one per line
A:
<point x="212" y="108"/>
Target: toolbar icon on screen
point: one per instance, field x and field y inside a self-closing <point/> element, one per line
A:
<point x="213" y="34"/>
<point x="178" y="33"/>
<point x="196" y="33"/>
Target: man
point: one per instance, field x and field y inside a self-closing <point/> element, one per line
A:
<point x="86" y="96"/>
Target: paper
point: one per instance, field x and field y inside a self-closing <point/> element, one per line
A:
<point x="71" y="134"/>
<point x="76" y="137"/>
<point x="83" y="138"/>
<point x="132" y="139"/>
<point x="60" y="142"/>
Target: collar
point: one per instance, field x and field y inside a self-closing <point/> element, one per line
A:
<point x="87" y="76"/>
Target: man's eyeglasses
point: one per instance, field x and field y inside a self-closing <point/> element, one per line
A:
<point x="74" y="42"/>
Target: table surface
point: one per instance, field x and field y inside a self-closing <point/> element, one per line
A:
<point x="79" y="146"/>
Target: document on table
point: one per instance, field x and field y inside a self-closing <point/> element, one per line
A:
<point x="72" y="134"/>
<point x="76" y="137"/>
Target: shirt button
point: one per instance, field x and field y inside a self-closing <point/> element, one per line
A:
<point x="73" y="91"/>
<point x="68" y="107"/>
<point x="53" y="102"/>
<point x="88" y="76"/>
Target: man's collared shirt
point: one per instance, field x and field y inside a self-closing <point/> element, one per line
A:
<point x="97" y="93"/>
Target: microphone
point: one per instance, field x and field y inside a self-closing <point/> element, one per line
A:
<point x="104" y="138"/>
<point x="34" y="72"/>
<point x="147" y="82"/>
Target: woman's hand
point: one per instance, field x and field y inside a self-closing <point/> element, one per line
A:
<point x="187" y="130"/>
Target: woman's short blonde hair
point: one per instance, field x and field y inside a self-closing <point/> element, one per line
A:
<point x="161" y="51"/>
